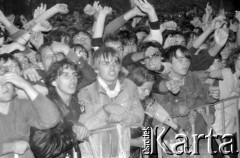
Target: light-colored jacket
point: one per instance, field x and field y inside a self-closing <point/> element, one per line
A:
<point x="114" y="143"/>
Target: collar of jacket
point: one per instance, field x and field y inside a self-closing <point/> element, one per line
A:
<point x="100" y="89"/>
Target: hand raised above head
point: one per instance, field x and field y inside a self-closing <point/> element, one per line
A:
<point x="62" y="8"/>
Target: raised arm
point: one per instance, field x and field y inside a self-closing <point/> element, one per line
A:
<point x="47" y="113"/>
<point x="220" y="37"/>
<point x="155" y="33"/>
<point x="99" y="27"/>
<point x="216" y="24"/>
<point x="120" y="21"/>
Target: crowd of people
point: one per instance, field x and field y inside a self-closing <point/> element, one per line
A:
<point x="87" y="85"/>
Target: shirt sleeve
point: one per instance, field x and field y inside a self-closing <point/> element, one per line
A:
<point x="41" y="118"/>
<point x="202" y="61"/>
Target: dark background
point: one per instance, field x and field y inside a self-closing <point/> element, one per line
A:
<point x="26" y="7"/>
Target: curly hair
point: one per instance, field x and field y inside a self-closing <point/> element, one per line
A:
<point x="56" y="70"/>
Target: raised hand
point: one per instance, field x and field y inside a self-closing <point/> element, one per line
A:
<point x="42" y="26"/>
<point x="16" y="80"/>
<point x="150" y="52"/>
<point x="138" y="12"/>
<point x="11" y="47"/>
<point x="208" y="9"/>
<point x="105" y="10"/>
<point x="144" y="6"/>
<point x="218" y="22"/>
<point x="31" y="74"/>
<point x="237" y="15"/>
<point x="90" y="10"/>
<point x="39" y="10"/>
<point x="154" y="64"/>
<point x="62" y="8"/>
<point x="221" y="36"/>
<point x="173" y="86"/>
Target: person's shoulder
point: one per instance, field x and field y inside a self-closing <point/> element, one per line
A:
<point x="88" y="89"/>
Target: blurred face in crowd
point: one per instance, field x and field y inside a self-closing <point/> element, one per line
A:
<point x="66" y="82"/>
<point x="144" y="90"/>
<point x="6" y="90"/>
<point x="180" y="65"/>
<point x="179" y="40"/>
<point x="48" y="57"/>
<point x="117" y="46"/>
<point x="108" y="68"/>
<point x="152" y="63"/>
<point x="130" y="48"/>
<point x="11" y="66"/>
<point x="81" y="52"/>
<point x="225" y="53"/>
<point x="83" y="39"/>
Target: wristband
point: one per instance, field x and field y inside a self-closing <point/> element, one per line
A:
<point x="154" y="25"/>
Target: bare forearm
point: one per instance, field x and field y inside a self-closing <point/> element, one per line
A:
<point x="213" y="51"/>
<point x="199" y="41"/>
<point x="98" y="30"/>
<point x="46" y="15"/>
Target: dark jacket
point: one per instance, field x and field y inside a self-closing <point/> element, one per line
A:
<point x="60" y="140"/>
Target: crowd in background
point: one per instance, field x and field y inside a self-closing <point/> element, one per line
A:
<point x="86" y="85"/>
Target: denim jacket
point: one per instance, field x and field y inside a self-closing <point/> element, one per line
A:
<point x="114" y="143"/>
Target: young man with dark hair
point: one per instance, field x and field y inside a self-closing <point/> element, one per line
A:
<point x="111" y="99"/>
<point x="181" y="91"/>
<point x="61" y="80"/>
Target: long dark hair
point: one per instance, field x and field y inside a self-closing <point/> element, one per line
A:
<point x="56" y="69"/>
